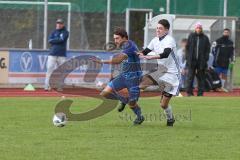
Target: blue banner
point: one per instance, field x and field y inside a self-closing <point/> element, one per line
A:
<point x="35" y="61"/>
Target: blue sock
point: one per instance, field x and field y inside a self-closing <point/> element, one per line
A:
<point x="137" y="111"/>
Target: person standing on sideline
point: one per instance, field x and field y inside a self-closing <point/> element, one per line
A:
<point x="57" y="55"/>
<point x="197" y="50"/>
<point x="223" y="55"/>
<point x="181" y="56"/>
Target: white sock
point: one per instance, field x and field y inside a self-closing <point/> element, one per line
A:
<point x="168" y="112"/>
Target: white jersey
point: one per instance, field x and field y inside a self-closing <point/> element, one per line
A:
<point x="157" y="46"/>
<point x="168" y="74"/>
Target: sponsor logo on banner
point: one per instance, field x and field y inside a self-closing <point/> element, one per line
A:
<point x="2" y="63"/>
<point x="42" y="61"/>
<point x="26" y="61"/>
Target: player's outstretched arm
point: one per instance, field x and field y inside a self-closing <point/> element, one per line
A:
<point x="144" y="52"/>
<point x="117" y="59"/>
<point x="165" y="54"/>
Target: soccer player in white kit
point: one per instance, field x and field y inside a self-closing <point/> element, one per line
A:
<point x="167" y="77"/>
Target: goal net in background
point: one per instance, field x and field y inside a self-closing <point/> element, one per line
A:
<point x="22" y="24"/>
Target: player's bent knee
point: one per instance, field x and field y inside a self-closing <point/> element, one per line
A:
<point x="165" y="99"/>
<point x="132" y="104"/>
<point x="168" y="95"/>
<point x="104" y="94"/>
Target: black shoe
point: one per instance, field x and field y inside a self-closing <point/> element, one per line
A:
<point x="170" y="122"/>
<point x="138" y="120"/>
<point x="121" y="107"/>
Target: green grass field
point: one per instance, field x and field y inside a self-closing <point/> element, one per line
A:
<point x="206" y="129"/>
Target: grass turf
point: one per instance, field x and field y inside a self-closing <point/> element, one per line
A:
<point x="206" y="128"/>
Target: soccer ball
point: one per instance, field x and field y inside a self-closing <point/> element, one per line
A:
<point x="59" y="120"/>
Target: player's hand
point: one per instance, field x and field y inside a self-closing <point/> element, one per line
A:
<point x="96" y="60"/>
<point x="149" y="57"/>
<point x="140" y="54"/>
<point x="146" y="57"/>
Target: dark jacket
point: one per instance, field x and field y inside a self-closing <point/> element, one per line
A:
<point x="197" y="51"/>
<point x="58" y="41"/>
<point x="223" y="52"/>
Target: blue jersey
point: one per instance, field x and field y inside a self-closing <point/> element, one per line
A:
<point x="130" y="72"/>
<point x="131" y="66"/>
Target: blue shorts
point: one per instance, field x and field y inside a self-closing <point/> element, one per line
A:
<point x="131" y="83"/>
<point x="222" y="70"/>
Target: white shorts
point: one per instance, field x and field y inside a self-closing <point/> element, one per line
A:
<point x="168" y="82"/>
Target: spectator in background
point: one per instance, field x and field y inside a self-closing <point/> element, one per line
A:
<point x="211" y="57"/>
<point x="223" y="55"/>
<point x="197" y="51"/>
<point x="181" y="55"/>
<point x="58" y="40"/>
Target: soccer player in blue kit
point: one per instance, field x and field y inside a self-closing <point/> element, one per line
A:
<point x="130" y="74"/>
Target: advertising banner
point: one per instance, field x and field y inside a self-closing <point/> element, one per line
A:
<point x="30" y="66"/>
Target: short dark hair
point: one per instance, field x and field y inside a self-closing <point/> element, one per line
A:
<point x="121" y="32"/>
<point x="226" y="29"/>
<point x="165" y="23"/>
